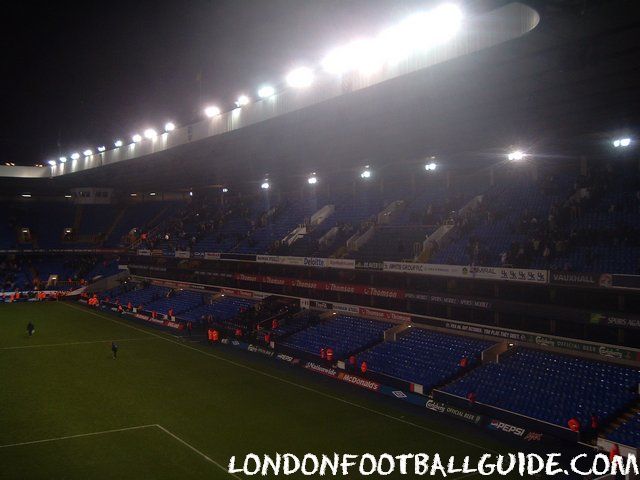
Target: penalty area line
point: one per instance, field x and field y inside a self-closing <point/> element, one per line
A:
<point x="194" y="449"/>
<point x="68" y="437"/>
<point x="126" y="429"/>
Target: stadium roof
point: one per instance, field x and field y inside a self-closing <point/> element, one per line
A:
<point x="545" y="89"/>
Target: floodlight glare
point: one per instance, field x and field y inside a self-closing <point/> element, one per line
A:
<point x="625" y="142"/>
<point x="430" y="167"/>
<point x="150" y="133"/>
<point x="75" y="156"/>
<point x="26" y="195"/>
<point x="338" y="61"/>
<point x="211" y="111"/>
<point x="392" y="45"/>
<point x="300" y="77"/>
<point x="366" y="56"/>
<point x="169" y="127"/>
<point x="225" y="190"/>
<point x="87" y="152"/>
<point x="242" y="101"/>
<point x="366" y="173"/>
<point x="101" y="149"/>
<point x="515" y="155"/>
<point x="62" y="159"/>
<point x="265" y="186"/>
<point x="67" y="196"/>
<point x="312" y="180"/>
<point x="152" y="194"/>
<point x="266" y="91"/>
<point x="117" y="143"/>
<point x="446" y="22"/>
<point x="136" y="138"/>
<point x="52" y="163"/>
<point x="423" y="30"/>
<point x="616" y="143"/>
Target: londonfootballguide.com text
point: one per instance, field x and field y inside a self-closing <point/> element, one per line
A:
<point x="421" y="464"/>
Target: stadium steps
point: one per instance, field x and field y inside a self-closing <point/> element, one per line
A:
<point x="156" y="220"/>
<point x="624" y="417"/>
<point x="115" y="223"/>
<point x="77" y="219"/>
<point x="458" y="376"/>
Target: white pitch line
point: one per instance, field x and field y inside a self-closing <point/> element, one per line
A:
<point x="73" y="343"/>
<point x="126" y="429"/>
<point x="104" y="432"/>
<point x="289" y="382"/>
<point x="188" y="445"/>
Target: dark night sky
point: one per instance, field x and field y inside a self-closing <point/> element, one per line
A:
<point x="84" y="73"/>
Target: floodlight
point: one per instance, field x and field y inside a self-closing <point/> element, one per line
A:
<point x="117" y="143"/>
<point x="265" y="185"/>
<point x="133" y="194"/>
<point x="366" y="173"/>
<point x="622" y="142"/>
<point x="211" y="111"/>
<point x="392" y="45"/>
<point x="87" y="152"/>
<point x="62" y="160"/>
<point x="169" y="127"/>
<point x="515" y="155"/>
<point x="430" y="167"/>
<point x="266" y="91"/>
<point x="242" y="101"/>
<point x="136" y="138"/>
<point x="67" y="196"/>
<point x="423" y="30"/>
<point x="338" y="61"/>
<point x="312" y="180"/>
<point x="52" y="163"/>
<point x="300" y="77"/>
<point x="152" y="194"/>
<point x="150" y="133"/>
<point x="102" y="149"/>
<point x="75" y="156"/>
<point x="225" y="190"/>
<point x="26" y="195"/>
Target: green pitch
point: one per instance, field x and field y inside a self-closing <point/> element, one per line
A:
<point x="169" y="408"/>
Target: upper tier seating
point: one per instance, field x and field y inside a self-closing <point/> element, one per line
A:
<point x="424" y="357"/>
<point x="344" y="334"/>
<point x="551" y="387"/>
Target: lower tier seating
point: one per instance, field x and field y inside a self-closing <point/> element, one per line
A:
<point x="344" y="334"/>
<point x="424" y="357"/>
<point x="551" y="387"/>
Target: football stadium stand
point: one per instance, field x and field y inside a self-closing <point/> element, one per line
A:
<point x="424" y="357"/>
<point x="344" y="334"/>
<point x="550" y="387"/>
<point x="628" y="433"/>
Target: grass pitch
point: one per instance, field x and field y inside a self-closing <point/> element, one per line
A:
<point x="172" y="409"/>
